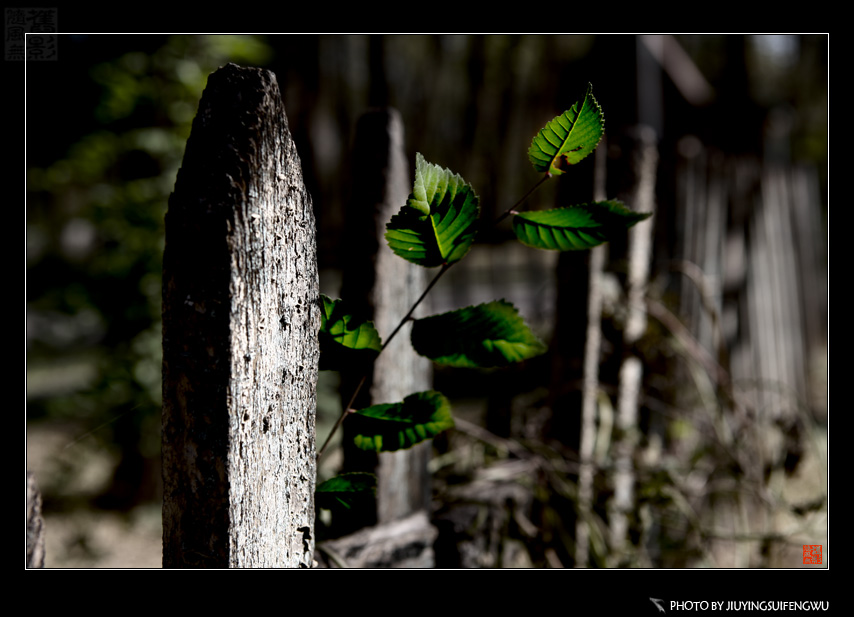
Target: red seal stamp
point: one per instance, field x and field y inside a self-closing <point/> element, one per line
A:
<point x="812" y="553"/>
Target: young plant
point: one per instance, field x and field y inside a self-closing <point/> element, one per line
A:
<point x="435" y="229"/>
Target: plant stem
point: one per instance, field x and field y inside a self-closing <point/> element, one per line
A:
<point x="445" y="267"/>
<point x="510" y="210"/>
<point x="345" y="412"/>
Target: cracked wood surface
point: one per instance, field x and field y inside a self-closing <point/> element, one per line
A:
<point x="240" y="323"/>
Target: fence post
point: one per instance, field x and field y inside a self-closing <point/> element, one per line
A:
<point x="240" y="349"/>
<point x="591" y="390"/>
<point x="624" y="501"/>
<point x="387" y="286"/>
<point x="382" y="287"/>
<point x="35" y="524"/>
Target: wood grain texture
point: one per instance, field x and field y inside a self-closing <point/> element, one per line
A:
<point x="240" y="323"/>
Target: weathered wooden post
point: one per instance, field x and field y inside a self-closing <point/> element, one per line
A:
<point x="590" y="394"/>
<point x="240" y="349"/>
<point x="35" y="524"/>
<point x="387" y="286"/>
<point x="383" y="287"/>
<point x="626" y="437"/>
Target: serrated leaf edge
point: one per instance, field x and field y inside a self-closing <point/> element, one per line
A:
<point x="519" y="322"/>
<point x="538" y="152"/>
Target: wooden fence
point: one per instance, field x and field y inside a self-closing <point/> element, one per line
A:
<point x="754" y="302"/>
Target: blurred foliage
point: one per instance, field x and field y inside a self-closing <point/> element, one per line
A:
<point x="95" y="242"/>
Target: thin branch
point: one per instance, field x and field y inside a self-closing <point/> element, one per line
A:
<point x="512" y="208"/>
<point x="692" y="346"/>
<point x="348" y="407"/>
<point x="445" y="268"/>
<point x="481" y="434"/>
<point x="344" y="414"/>
<point x="695" y="274"/>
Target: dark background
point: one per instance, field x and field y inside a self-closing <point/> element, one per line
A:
<point x="105" y="129"/>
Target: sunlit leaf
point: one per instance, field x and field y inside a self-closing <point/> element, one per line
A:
<point x="344" y="339"/>
<point x="439" y="221"/>
<point x="346" y="491"/>
<point x="487" y="335"/>
<point x="576" y="227"/>
<point x="390" y="427"/>
<point x="568" y="138"/>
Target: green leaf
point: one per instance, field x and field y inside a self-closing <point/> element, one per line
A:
<point x="345" y="339"/>
<point x="487" y="335"/>
<point x="439" y="221"/>
<point x="568" y="138"/>
<point x="390" y="427"/>
<point x="576" y="227"/>
<point x="347" y="490"/>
